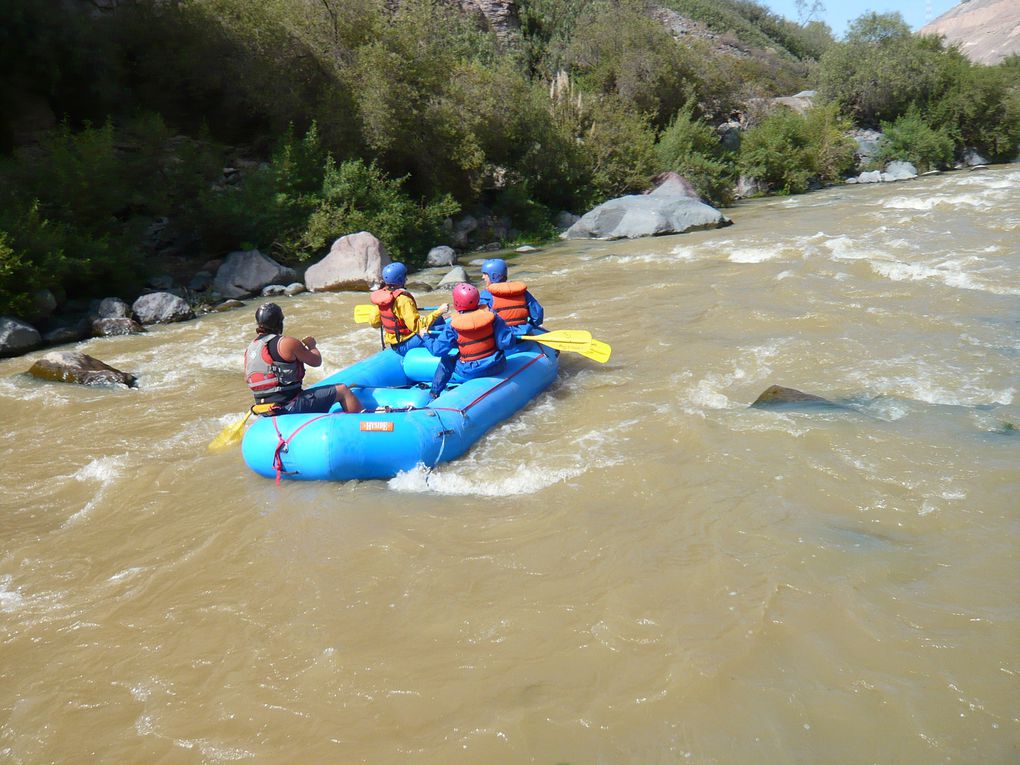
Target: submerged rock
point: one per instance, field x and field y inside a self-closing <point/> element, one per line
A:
<point x="777" y="395"/>
<point x="116" y="326"/>
<point x="75" y="367"/>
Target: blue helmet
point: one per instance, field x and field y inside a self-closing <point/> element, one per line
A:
<point x="495" y="269"/>
<point x="395" y="274"/>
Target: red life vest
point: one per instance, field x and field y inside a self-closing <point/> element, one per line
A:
<point x="509" y="300"/>
<point x="386" y="300"/>
<point x="475" y="334"/>
<point x="271" y="379"/>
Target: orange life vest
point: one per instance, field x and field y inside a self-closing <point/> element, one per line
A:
<point x="509" y="300"/>
<point x="386" y="300"/>
<point x="475" y="334"/>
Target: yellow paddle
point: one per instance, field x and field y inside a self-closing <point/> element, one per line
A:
<point x="230" y="435"/>
<point x="363" y="314"/>
<point x="233" y="433"/>
<point x="599" y="352"/>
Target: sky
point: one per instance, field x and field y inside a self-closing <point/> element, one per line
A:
<point x="839" y="13"/>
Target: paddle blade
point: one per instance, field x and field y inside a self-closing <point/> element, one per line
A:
<point x="599" y="352"/>
<point x="363" y="314"/>
<point x="575" y="336"/>
<point x="229" y="436"/>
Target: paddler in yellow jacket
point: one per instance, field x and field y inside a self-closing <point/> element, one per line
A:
<point x="401" y="324"/>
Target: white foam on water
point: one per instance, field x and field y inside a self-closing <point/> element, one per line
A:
<point x="755" y="254"/>
<point x="953" y="274"/>
<point x="10" y="600"/>
<point x="846" y="248"/>
<point x="102" y="469"/>
<point x="526" y="479"/>
<point x="926" y="203"/>
<point x="683" y="252"/>
<point x="127" y="573"/>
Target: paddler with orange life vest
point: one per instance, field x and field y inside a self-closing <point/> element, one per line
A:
<point x="477" y="333"/>
<point x="274" y="366"/>
<point x="511" y="301"/>
<point x="398" y="316"/>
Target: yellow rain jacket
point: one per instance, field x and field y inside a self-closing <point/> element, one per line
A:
<point x="406" y="310"/>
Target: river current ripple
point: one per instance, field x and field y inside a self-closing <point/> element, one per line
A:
<point x="639" y="568"/>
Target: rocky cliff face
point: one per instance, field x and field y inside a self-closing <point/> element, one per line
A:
<point x="500" y="15"/>
<point x="986" y="30"/>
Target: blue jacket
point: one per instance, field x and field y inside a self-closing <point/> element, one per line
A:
<point x="446" y="340"/>
<point x="536" y="314"/>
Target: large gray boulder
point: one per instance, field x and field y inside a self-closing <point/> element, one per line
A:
<point x="113" y="308"/>
<point x="456" y="275"/>
<point x="441" y="256"/>
<point x="355" y="262"/>
<point x="162" y="308"/>
<point x="669" y="209"/>
<point x="246" y="272"/>
<point x="75" y="367"/>
<point x="899" y="171"/>
<point x="17" y="337"/>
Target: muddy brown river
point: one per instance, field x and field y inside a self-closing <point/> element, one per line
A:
<point x="638" y="568"/>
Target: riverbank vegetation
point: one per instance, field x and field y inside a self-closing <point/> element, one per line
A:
<point x="178" y="131"/>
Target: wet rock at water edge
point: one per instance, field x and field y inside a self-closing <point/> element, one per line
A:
<point x="457" y="275"/>
<point x="778" y="396"/>
<point x="354" y="262"/>
<point x="227" y="305"/>
<point x="113" y="308"/>
<point x="669" y="209"/>
<point x="245" y="273"/>
<point x="115" y="327"/>
<point x="75" y="367"/>
<point x="162" y="308"/>
<point x="296" y="288"/>
<point x="17" y="337"/>
<point x="273" y="290"/>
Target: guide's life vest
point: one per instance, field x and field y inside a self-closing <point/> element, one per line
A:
<point x="509" y="300"/>
<point x="271" y="379"/>
<point x="475" y="334"/>
<point x="386" y="300"/>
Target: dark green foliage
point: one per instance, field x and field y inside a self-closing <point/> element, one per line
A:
<point x="883" y="73"/>
<point x="691" y="147"/>
<point x="911" y="139"/>
<point x="386" y="116"/>
<point x="788" y="152"/>
<point x="620" y="50"/>
<point x="359" y="197"/>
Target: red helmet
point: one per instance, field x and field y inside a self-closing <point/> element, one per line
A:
<point x="465" y="297"/>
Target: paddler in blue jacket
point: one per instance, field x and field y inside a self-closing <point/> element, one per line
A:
<point x="477" y="333"/>
<point x="511" y="301"/>
<point x="398" y="314"/>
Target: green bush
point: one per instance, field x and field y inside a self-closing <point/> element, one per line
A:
<point x="360" y="197"/>
<point x="691" y="147"/>
<point x="911" y="139"/>
<point x="788" y="152"/>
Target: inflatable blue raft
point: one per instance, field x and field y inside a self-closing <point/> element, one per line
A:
<point x="401" y="427"/>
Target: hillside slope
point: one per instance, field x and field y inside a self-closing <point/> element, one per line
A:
<point x="986" y="30"/>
